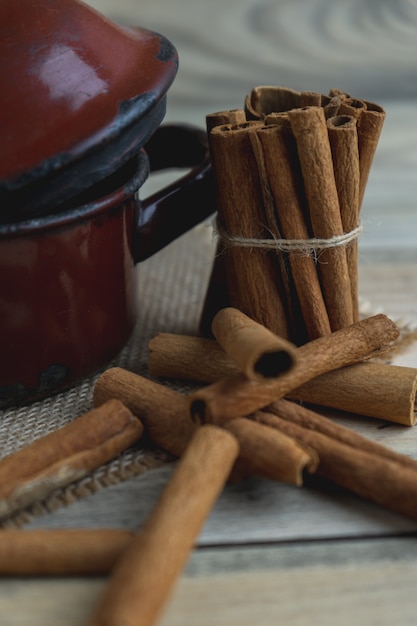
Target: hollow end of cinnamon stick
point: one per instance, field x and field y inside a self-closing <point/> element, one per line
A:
<point x="272" y="364"/>
<point x="198" y="411"/>
<point x="257" y="352"/>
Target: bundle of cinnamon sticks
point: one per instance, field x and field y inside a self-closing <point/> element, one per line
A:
<point x="290" y="173"/>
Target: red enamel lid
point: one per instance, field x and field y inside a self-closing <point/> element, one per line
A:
<point x="74" y="86"/>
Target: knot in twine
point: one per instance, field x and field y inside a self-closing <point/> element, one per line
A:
<point x="305" y="247"/>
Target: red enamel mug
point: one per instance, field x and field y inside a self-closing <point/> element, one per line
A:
<point x="68" y="300"/>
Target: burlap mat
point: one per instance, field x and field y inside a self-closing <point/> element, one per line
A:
<point x="172" y="286"/>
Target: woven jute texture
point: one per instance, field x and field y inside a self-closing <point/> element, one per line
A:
<point x="171" y="288"/>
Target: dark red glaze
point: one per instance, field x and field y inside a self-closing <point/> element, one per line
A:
<point x="68" y="299"/>
<point x="73" y="81"/>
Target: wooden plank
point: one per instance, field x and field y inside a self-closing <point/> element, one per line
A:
<point x="254" y="511"/>
<point x="356" y="594"/>
<point x="363" y="582"/>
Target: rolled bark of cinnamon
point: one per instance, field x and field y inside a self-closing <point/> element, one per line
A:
<point x="257" y="352"/>
<point x="370" y="120"/>
<point x="254" y="282"/>
<point x="66" y="455"/>
<point x="369" y="475"/>
<point x="370" y="126"/>
<point x="310" y="130"/>
<point x="270" y="99"/>
<point x="236" y="395"/>
<point x="163" y="411"/>
<point x="217" y="294"/>
<point x="61" y="552"/>
<point x="268" y="218"/>
<point x="301" y="415"/>
<point x="266" y="452"/>
<point x="343" y="139"/>
<point x="377" y="390"/>
<point x="283" y="170"/>
<point x="229" y="116"/>
<point x="352" y="107"/>
<point x="185" y="357"/>
<point x="146" y="572"/>
<point x="310" y="98"/>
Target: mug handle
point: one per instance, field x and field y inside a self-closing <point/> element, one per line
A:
<point x="170" y="212"/>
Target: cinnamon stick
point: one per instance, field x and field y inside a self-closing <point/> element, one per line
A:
<point x="377" y="390"/>
<point x="266" y="452"/>
<point x="310" y="98"/>
<point x="236" y="395"/>
<point x="370" y="126"/>
<point x="343" y="138"/>
<point x="352" y="107"/>
<point x="217" y="294"/>
<point x="268" y="217"/>
<point x="371" y="476"/>
<point x="65" y="455"/>
<point x="185" y="357"/>
<point x="230" y="116"/>
<point x="301" y="415"/>
<point x="254" y="281"/>
<point x="374" y="389"/>
<point x="257" y="352"/>
<point x="270" y="99"/>
<point x="146" y="572"/>
<point x="61" y="552"/>
<point x="283" y="170"/>
<point x="163" y="411"/>
<point x="310" y="131"/>
<point x="370" y="120"/>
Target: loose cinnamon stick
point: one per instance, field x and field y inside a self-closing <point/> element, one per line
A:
<point x="369" y="475"/>
<point x="266" y="452"/>
<point x="343" y="139"/>
<point x="236" y="395"/>
<point x="378" y="390"/>
<point x="254" y="282"/>
<point x="61" y="552"/>
<point x="185" y="357"/>
<point x="65" y="455"/>
<point x="283" y="169"/>
<point x="257" y="352"/>
<point x="270" y="99"/>
<point x="146" y="572"/>
<point x="163" y="411"/>
<point x="310" y="130"/>
<point x="301" y="415"/>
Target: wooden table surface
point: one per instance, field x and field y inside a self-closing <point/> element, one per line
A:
<point x="269" y="553"/>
